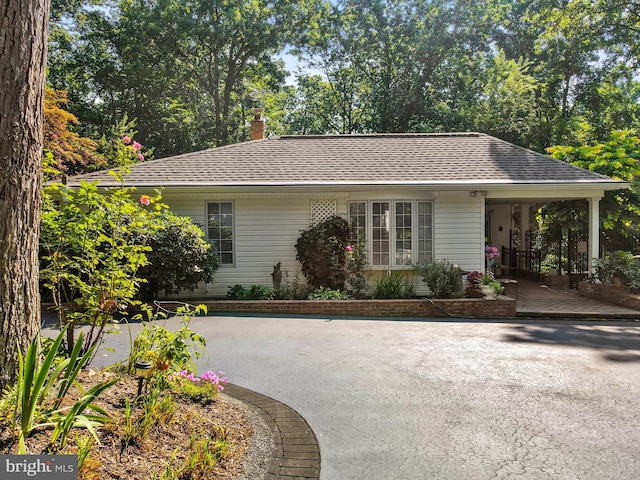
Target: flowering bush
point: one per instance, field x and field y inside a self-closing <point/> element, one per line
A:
<point x="474" y="276"/>
<point x="93" y="245"/>
<point x="203" y="389"/>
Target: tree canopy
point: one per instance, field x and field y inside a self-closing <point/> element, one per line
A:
<point x="188" y="71"/>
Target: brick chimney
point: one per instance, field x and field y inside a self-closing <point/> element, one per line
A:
<point x="257" y="125"/>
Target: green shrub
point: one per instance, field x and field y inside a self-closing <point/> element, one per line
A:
<point x="442" y="279"/>
<point x="392" y="287"/>
<point x="356" y="263"/>
<point x="167" y="349"/>
<point x="322" y="253"/>
<point x="179" y="259"/>
<point x="254" y="292"/>
<point x="295" y="290"/>
<point x="619" y="265"/>
<point x="92" y="246"/>
<point x="323" y="293"/>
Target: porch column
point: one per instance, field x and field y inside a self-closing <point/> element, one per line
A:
<point x="594" y="232"/>
<point x="524" y="225"/>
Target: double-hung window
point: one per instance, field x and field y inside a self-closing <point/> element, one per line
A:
<point x="397" y="234"/>
<point x="220" y="230"/>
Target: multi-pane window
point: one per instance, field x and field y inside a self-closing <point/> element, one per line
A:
<point x="380" y="234"/>
<point x="425" y="232"/>
<point x="403" y="233"/>
<point x="396" y="234"/>
<point x="358" y="220"/>
<point x="220" y="230"/>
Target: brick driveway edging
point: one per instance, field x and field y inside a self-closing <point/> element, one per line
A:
<point x="296" y="455"/>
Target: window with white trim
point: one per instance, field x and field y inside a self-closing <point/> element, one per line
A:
<point x="358" y="221"/>
<point x="220" y="230"/>
<point x="425" y="232"/>
<point x="397" y="234"/>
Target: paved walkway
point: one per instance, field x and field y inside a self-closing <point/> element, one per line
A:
<point x="534" y="300"/>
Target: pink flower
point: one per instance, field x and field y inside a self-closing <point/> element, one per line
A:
<point x="491" y="252"/>
<point x="136" y="146"/>
<point x="348" y="248"/>
<point x="144" y="200"/>
<point x="126" y="139"/>
<point x="140" y="157"/>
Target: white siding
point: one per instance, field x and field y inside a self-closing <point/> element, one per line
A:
<point x="459" y="230"/>
<point x="267" y="228"/>
<point x="265" y="233"/>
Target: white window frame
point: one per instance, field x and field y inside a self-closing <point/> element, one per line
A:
<point x="392" y="231"/>
<point x="233" y="231"/>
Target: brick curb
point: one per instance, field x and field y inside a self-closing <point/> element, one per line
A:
<point x="296" y="455"/>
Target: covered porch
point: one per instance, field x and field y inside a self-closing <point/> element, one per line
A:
<point x="526" y="254"/>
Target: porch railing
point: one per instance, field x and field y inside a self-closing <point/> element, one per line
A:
<point x="521" y="263"/>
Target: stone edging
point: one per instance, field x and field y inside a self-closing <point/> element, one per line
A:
<point x="296" y="455"/>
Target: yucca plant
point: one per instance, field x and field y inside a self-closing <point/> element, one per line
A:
<point x="37" y="378"/>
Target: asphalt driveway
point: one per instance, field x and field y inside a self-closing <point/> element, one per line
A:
<point x="441" y="399"/>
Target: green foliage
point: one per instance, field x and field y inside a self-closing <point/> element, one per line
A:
<point x="92" y="247"/>
<point x="254" y="292"/>
<point x="507" y="107"/>
<point x="356" y="264"/>
<point x="37" y="378"/>
<point x="322" y="253"/>
<point x="442" y="278"/>
<point x="529" y="72"/>
<point x="490" y="281"/>
<point x="324" y="293"/>
<point x="618" y="158"/>
<point x="198" y="389"/>
<point x="204" y="454"/>
<point x="157" y="409"/>
<point x="166" y="349"/>
<point x="392" y="287"/>
<point x="207" y="65"/>
<point x="619" y="265"/>
<point x="180" y="257"/>
<point x="85" y="445"/>
<point x="292" y="290"/>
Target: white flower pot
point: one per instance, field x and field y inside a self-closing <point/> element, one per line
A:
<point x="488" y="292"/>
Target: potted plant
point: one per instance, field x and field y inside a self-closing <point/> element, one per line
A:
<point x="490" y="287"/>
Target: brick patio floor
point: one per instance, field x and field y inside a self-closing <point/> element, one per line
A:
<point x="534" y="300"/>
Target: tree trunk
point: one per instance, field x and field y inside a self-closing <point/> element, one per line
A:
<point x="23" y="53"/>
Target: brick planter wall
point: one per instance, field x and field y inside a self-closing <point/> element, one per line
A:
<point x="610" y="294"/>
<point x="463" y="307"/>
<point x="555" y="281"/>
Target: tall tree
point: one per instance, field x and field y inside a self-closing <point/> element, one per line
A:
<point x="619" y="158"/>
<point x="72" y="153"/>
<point x="23" y="56"/>
<point x="404" y="65"/>
<point x="196" y="80"/>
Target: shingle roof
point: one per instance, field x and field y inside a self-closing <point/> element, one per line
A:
<point x="375" y="159"/>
